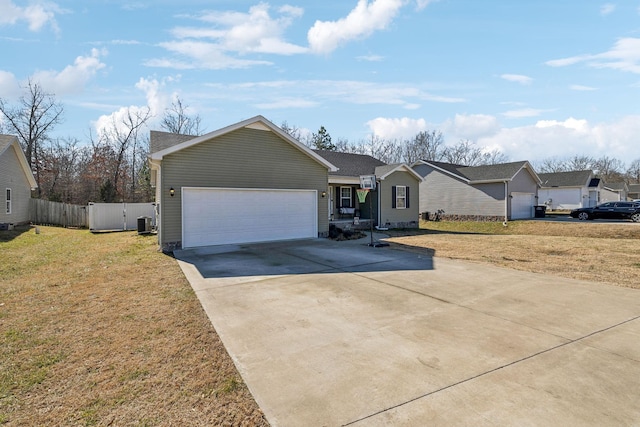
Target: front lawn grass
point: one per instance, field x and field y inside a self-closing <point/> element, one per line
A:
<point x="102" y="329"/>
<point x="598" y="252"/>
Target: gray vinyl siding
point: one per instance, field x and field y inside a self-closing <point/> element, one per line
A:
<point x="391" y="215"/>
<point x="523" y="182"/>
<point x="245" y="158"/>
<point x="12" y="176"/>
<point x="456" y="197"/>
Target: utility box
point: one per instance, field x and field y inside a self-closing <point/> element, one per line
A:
<point x="144" y="225"/>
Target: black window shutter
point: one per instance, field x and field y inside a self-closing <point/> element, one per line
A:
<point x="406" y="203"/>
<point x="393" y="197"/>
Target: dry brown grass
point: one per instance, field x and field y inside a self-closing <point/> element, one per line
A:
<point x="101" y="329"/>
<point x="598" y="252"/>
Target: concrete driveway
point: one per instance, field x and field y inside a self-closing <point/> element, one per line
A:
<point x="339" y="333"/>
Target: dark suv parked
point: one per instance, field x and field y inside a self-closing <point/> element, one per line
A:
<point x="610" y="210"/>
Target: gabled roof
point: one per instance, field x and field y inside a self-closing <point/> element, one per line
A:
<point x="382" y="172"/>
<point x="634" y="188"/>
<point x="566" y="179"/>
<point x="485" y="173"/>
<point x="257" y="122"/>
<point x="617" y="186"/>
<point x="350" y="164"/>
<point x="159" y="141"/>
<point x="8" y="141"/>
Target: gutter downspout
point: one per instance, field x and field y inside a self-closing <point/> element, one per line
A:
<point x="506" y="203"/>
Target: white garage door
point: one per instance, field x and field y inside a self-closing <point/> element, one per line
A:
<point x="522" y="205"/>
<point x="220" y="216"/>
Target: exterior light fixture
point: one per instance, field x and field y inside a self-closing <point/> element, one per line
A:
<point x="324" y="194"/>
<point x="172" y="192"/>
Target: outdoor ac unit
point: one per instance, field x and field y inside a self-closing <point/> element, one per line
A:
<point x="144" y="225"/>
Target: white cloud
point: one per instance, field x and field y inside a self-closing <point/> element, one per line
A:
<point x="72" y="78"/>
<point x="623" y="56"/>
<point x="607" y="8"/>
<point x="332" y="91"/>
<point x="156" y="100"/>
<point x="325" y="36"/>
<point x="228" y="34"/>
<point x="200" y="55"/>
<point x="470" y="126"/>
<point x="517" y="78"/>
<point x="523" y="112"/>
<point x="36" y="15"/>
<point x="563" y="139"/>
<point x="582" y="88"/>
<point x="287" y="103"/>
<point x="537" y="141"/>
<point x="9" y="85"/>
<point x="370" y="58"/>
<point x="421" y="4"/>
<point x="156" y="103"/>
<point x="398" y="128"/>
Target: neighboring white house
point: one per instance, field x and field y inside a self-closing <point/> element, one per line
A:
<point x="569" y="190"/>
<point x="16" y="182"/>
<point x="576" y="189"/>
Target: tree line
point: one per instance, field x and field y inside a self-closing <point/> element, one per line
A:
<point x="108" y="167"/>
<point x="111" y="166"/>
<point x="430" y="145"/>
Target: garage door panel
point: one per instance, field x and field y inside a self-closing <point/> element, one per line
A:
<point x="215" y="216"/>
<point x="522" y="205"/>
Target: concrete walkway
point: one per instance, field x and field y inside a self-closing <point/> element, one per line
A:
<point x="339" y="333"/>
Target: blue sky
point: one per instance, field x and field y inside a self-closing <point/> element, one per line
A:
<point x="534" y="79"/>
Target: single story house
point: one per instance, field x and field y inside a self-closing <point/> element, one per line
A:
<point x="634" y="192"/>
<point x="394" y="202"/>
<point x="568" y="190"/>
<point x="491" y="192"/>
<point x="16" y="182"/>
<point x="398" y="188"/>
<point x="620" y="188"/>
<point x="247" y="182"/>
<point x="600" y="193"/>
<point x="345" y="180"/>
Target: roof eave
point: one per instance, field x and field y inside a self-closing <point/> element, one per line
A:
<point x="225" y="130"/>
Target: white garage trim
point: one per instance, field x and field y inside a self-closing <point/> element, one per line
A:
<point x="522" y="205"/>
<point x="220" y="216"/>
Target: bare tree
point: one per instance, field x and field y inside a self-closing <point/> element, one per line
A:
<point x="123" y="137"/>
<point x="552" y="165"/>
<point x="580" y="163"/>
<point x="292" y="130"/>
<point x="609" y="169"/>
<point x="633" y="172"/>
<point x="177" y="120"/>
<point x="464" y="153"/>
<point x="494" y="157"/>
<point x="424" y="146"/>
<point x="60" y="159"/>
<point x="31" y="120"/>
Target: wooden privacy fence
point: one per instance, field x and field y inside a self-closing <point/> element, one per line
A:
<point x="44" y="212"/>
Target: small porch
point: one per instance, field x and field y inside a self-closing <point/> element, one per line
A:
<point x="346" y="211"/>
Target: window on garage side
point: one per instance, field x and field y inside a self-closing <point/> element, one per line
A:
<point x="399" y="197"/>
<point x="345" y="197"/>
<point x="8" y="200"/>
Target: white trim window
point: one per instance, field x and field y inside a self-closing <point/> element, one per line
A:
<point x="8" y="200"/>
<point x="345" y="197"/>
<point x="401" y="197"/>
